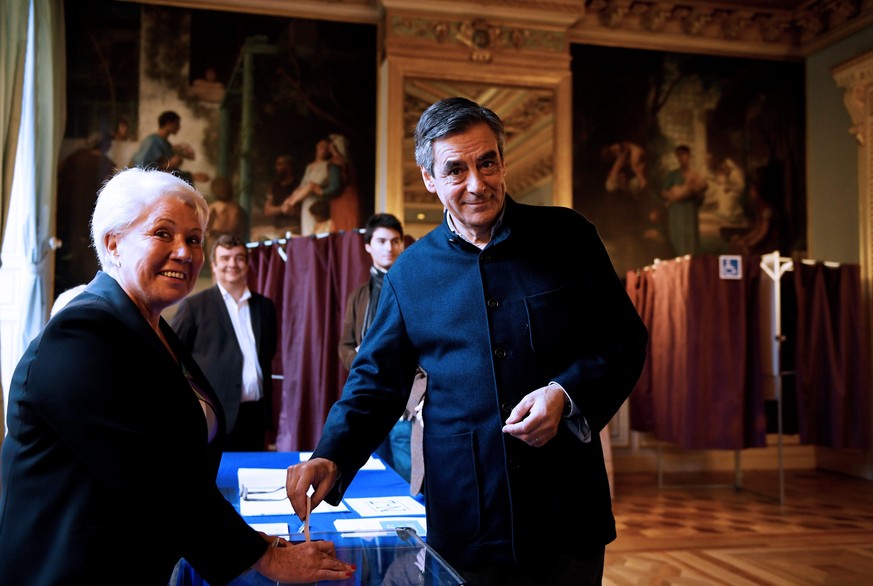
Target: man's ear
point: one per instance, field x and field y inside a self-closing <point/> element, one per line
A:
<point x="428" y="180"/>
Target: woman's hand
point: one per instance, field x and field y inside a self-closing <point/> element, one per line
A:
<point x="303" y="562"/>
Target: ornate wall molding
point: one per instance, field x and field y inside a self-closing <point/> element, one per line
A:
<point x="779" y="29"/>
<point x="744" y="28"/>
<point x="855" y="78"/>
<point x="479" y="38"/>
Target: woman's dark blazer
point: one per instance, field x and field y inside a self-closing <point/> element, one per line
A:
<point x="107" y="475"/>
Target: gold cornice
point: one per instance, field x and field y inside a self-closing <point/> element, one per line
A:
<point x="550" y="13"/>
<point x="354" y="11"/>
<point x="770" y="29"/>
<point x="859" y="69"/>
<point x="752" y="29"/>
<point x="477" y="40"/>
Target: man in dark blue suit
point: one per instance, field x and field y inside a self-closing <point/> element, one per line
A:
<point x="530" y="344"/>
<point x="231" y="332"/>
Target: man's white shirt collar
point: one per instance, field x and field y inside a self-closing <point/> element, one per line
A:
<point x="244" y="297"/>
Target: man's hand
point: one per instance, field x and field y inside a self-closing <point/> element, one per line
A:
<point x="536" y="418"/>
<point x="319" y="473"/>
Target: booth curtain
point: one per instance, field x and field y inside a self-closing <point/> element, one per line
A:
<point x="702" y="386"/>
<point x="693" y="390"/>
<point x="640" y="289"/>
<point x="832" y="356"/>
<point x="309" y="279"/>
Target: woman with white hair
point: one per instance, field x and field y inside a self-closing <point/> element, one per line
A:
<point x="110" y="421"/>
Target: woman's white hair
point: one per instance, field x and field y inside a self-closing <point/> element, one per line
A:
<point x="128" y="196"/>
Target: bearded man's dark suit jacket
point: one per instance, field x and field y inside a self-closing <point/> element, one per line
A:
<point x="106" y="471"/>
<point x="204" y="326"/>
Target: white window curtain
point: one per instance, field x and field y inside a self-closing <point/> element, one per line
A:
<point x="32" y="105"/>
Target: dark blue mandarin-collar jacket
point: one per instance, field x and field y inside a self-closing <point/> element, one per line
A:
<point x="540" y="303"/>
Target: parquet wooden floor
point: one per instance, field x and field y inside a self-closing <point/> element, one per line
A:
<point x="690" y="534"/>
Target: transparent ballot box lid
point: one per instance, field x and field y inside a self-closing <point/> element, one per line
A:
<point x="397" y="557"/>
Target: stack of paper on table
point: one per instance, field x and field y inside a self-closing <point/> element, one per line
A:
<point x="382" y="514"/>
<point x="271" y="528"/>
<point x="372" y="464"/>
<point x="262" y="492"/>
<point x="362" y="527"/>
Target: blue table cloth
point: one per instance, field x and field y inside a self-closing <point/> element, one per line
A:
<point x="393" y="558"/>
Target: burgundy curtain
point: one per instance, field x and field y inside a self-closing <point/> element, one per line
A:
<point x="266" y="270"/>
<point x="640" y="289"/>
<point x="698" y="361"/>
<point x="703" y="384"/>
<point x="832" y="366"/>
<point x="308" y="278"/>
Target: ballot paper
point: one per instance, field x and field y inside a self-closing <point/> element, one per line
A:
<point x="373" y="463"/>
<point x="271" y="528"/>
<point x="385" y="506"/>
<point x="361" y="527"/>
<point x="262" y="492"/>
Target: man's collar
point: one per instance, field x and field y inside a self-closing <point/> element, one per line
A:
<point x="450" y="222"/>
<point x="246" y="294"/>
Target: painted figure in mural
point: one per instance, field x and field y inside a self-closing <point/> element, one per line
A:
<point x="726" y="183"/>
<point x="207" y="88"/>
<point x="123" y="143"/>
<point x="633" y="222"/>
<point x="226" y="215"/>
<point x="80" y="177"/>
<point x="763" y="235"/>
<point x="321" y="180"/>
<point x="284" y="218"/>
<point x="628" y="170"/>
<point x="157" y="152"/>
<point x="320" y="210"/>
<point x="345" y="209"/>
<point x="683" y="192"/>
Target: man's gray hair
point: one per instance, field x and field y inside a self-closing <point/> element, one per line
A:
<point x="452" y="116"/>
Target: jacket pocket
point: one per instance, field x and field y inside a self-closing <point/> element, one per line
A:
<point x="452" y="485"/>
<point x="555" y="321"/>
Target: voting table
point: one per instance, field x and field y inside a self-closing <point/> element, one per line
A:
<point x="378" y="526"/>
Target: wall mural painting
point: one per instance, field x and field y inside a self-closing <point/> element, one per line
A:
<point x="680" y="154"/>
<point x="267" y="105"/>
<point x="313" y="133"/>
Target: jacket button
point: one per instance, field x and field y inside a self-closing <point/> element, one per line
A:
<point x="500" y="352"/>
<point x="493" y="303"/>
